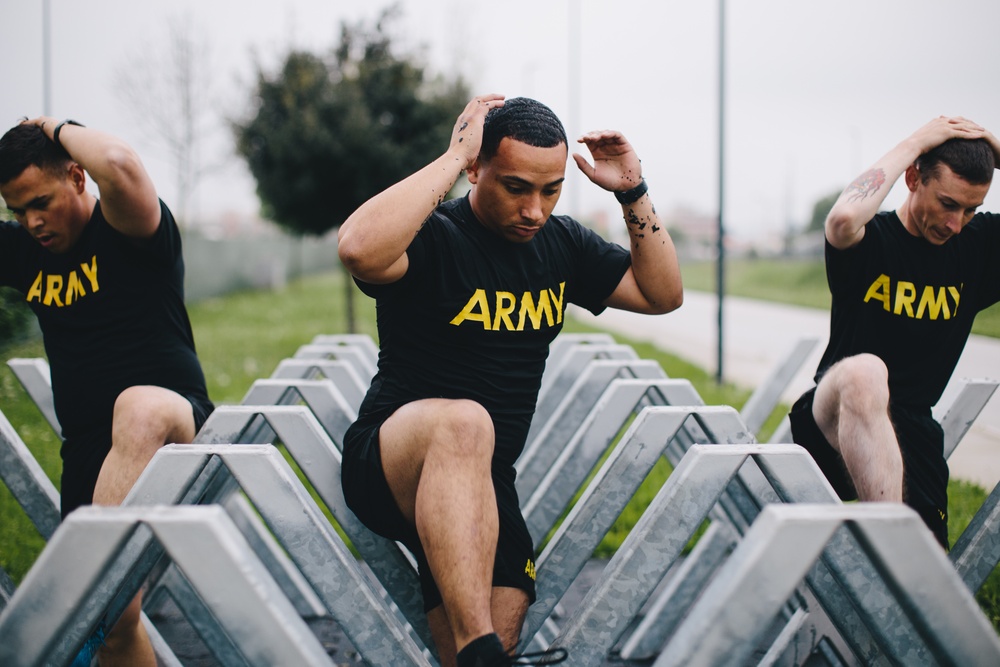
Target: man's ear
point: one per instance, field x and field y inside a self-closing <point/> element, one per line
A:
<point x="912" y="176"/>
<point x="78" y="177"/>
<point x="472" y="172"/>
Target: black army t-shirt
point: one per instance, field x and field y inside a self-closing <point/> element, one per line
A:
<point x="910" y="302"/>
<point x="474" y="315"/>
<point x="112" y="315"/>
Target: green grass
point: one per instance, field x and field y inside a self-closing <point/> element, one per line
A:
<point x="242" y="337"/>
<point x="799" y="282"/>
<point x="20" y="543"/>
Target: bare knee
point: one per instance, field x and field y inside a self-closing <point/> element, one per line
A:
<point x="465" y="430"/>
<point x="857" y="386"/>
<point x="147" y="416"/>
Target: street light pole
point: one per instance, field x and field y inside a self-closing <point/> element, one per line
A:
<point x="574" y="95"/>
<point x="721" y="260"/>
<point x="46" y="59"/>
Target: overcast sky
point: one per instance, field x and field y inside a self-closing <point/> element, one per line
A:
<point x="815" y="93"/>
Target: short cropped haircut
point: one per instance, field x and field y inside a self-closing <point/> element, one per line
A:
<point x="522" y="119"/>
<point x="970" y="159"/>
<point x="25" y="145"/>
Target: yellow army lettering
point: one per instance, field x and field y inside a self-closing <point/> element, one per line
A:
<point x="49" y="289"/>
<point x="477" y="309"/>
<point x="933" y="301"/>
<point x="529" y="569"/>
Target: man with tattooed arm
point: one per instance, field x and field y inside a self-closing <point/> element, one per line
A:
<point x="470" y="292"/>
<point x="906" y="287"/>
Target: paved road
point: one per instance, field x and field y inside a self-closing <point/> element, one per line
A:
<point x="758" y="336"/>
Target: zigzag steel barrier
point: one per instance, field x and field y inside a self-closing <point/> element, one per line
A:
<point x="319" y="459"/>
<point x="778" y="550"/>
<point x="343" y="375"/>
<point x="175" y="475"/>
<point x="568" y="416"/>
<point x="37" y="496"/>
<point x="558" y="378"/>
<point x="972" y="555"/>
<point x="40" y="629"/>
<point x="733" y="614"/>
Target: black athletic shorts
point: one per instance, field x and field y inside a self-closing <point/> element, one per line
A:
<point x="84" y="454"/>
<point x="369" y="497"/>
<point x="921" y="441"/>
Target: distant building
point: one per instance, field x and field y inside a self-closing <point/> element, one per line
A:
<point x="695" y="233"/>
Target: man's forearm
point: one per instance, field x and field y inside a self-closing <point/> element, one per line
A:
<point x="378" y="233"/>
<point x="862" y="199"/>
<point x="128" y="197"/>
<point x="654" y="257"/>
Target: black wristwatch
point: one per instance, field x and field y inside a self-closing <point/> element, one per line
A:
<point x="55" y="132"/>
<point x="631" y="196"/>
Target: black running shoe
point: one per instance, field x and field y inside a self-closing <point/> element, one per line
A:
<point x="552" y="656"/>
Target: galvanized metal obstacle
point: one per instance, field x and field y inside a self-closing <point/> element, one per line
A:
<point x="644" y="639"/>
<point x="362" y="342"/>
<point x="37" y="496"/>
<point x="591" y="374"/>
<point x="34" y="376"/>
<point x="317" y="395"/>
<point x="342" y="373"/>
<point x="785" y="541"/>
<point x="182" y="474"/>
<point x="577" y="402"/>
<point x="729" y="530"/>
<point x="540" y="522"/>
<point x="595" y="410"/>
<point x="687" y="499"/>
<point x="88" y="561"/>
<point x="352" y="598"/>
<point x="319" y="459"/>
<point x="322" y="397"/>
<point x="360" y="358"/>
<point x="558" y="378"/>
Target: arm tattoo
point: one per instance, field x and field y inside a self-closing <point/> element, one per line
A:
<point x="633" y="220"/>
<point x="866" y="184"/>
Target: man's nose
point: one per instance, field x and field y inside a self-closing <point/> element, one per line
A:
<point x="954" y="223"/>
<point x="532" y="209"/>
<point x="33" y="219"/>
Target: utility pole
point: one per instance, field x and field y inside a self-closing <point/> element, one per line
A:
<point x="574" y="95"/>
<point x="721" y="261"/>
<point x="46" y="58"/>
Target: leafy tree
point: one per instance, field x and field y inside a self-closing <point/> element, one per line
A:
<point x="328" y="132"/>
<point x="821" y="209"/>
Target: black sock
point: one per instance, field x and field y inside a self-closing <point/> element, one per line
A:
<point x="482" y="652"/>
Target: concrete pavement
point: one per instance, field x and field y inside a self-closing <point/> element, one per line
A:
<point x="758" y="335"/>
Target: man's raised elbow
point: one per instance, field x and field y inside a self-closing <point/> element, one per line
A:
<point x="841" y="228"/>
<point x="668" y="305"/>
<point x="676" y="302"/>
<point x="351" y="257"/>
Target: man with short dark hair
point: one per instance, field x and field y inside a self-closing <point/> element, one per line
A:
<point x="105" y="277"/>
<point x="470" y="292"/>
<point x="906" y="288"/>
